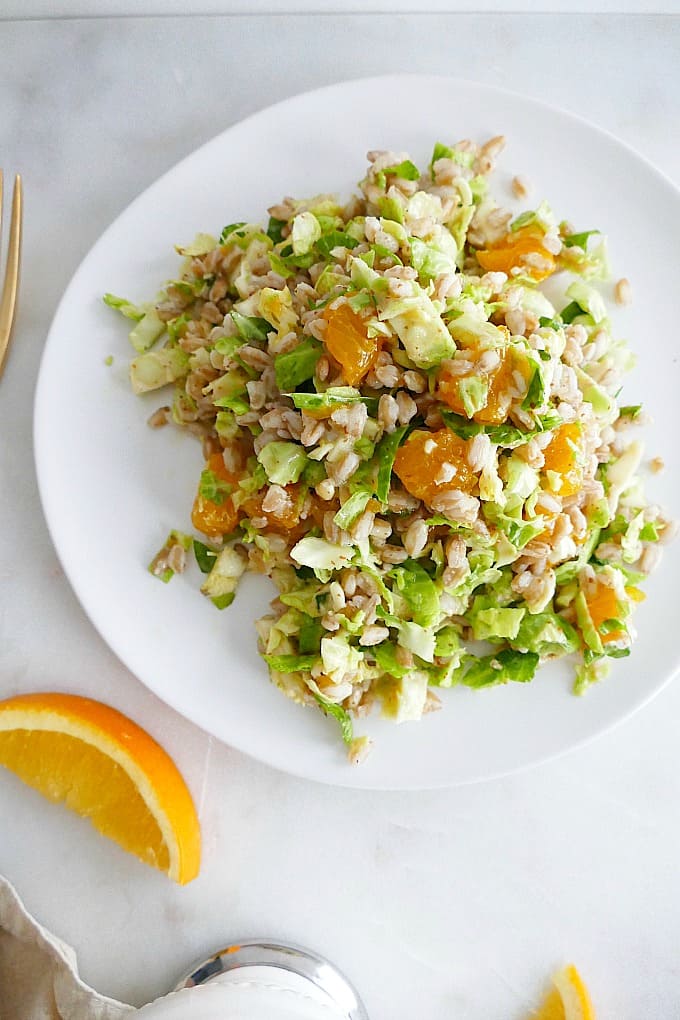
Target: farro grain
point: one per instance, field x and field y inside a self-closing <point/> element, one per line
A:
<point x="623" y="293"/>
<point x="393" y="554"/>
<point x="456" y="505"/>
<point x="415" y="382"/>
<point x="406" y="407"/>
<point x="520" y="186"/>
<point x="373" y="635"/>
<point x="325" y="489"/>
<point x="159" y="418"/>
<point x="276" y="501"/>
<point x="456" y="551"/>
<point x="415" y="538"/>
<point x="388" y="412"/>
<point x="650" y="559"/>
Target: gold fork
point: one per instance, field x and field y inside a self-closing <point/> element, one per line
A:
<point x="8" y="301"/>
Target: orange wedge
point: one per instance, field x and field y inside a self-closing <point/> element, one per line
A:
<point x="568" y="999"/>
<point x="107" y="769"/>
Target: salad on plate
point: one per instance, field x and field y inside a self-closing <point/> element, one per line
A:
<point x="408" y="410"/>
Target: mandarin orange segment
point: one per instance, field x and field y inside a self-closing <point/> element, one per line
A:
<point x="499" y="378"/>
<point x="563" y="455"/>
<point x="347" y="340"/>
<point x="209" y="516"/>
<point x="508" y="255"/>
<point x="603" y="605"/>
<point x="426" y="457"/>
<point x="102" y="765"/>
<point x="283" y="520"/>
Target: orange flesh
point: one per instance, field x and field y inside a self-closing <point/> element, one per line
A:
<point x="500" y="379"/>
<point x="286" y="520"/>
<point x="115" y="808"/>
<point x="562" y="455"/>
<point x="347" y="340"/>
<point x="99" y="763"/>
<point x="213" y="518"/>
<point x="602" y="605"/>
<point x="507" y="255"/>
<point x="417" y="465"/>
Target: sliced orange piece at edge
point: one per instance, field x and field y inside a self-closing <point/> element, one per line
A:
<point x="53" y="742"/>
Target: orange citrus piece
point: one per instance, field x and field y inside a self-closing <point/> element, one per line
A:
<point x="563" y="455"/>
<point x="347" y="340"/>
<point x="282" y="520"/>
<point x="106" y="768"/>
<point x="426" y="457"/>
<point x="603" y="605"/>
<point x="498" y="399"/>
<point x="567" y="1000"/>
<point x="508" y="255"/>
<point x="209" y="516"/>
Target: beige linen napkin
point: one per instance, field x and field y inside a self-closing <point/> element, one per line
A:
<point x="39" y="981"/>
<point x="38" y="973"/>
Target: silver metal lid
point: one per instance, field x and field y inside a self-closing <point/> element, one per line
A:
<point x="307" y="965"/>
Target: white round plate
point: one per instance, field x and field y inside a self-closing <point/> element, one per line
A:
<point x="112" y="488"/>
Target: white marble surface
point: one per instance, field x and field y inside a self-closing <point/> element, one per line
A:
<point x="453" y="904"/>
<point x="188" y="8"/>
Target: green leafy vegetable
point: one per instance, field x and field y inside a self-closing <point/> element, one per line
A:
<point x="504" y="666"/>
<point x="309" y="635"/>
<point x="229" y="230"/>
<point x="334" y="239"/>
<point x="334" y="396"/>
<point x="290" y="663"/>
<point x="147" y="331"/>
<point x="440" y="151"/>
<point x="386" y="657"/>
<point x="503" y="435"/>
<point x="297" y="366"/>
<point x="205" y="556"/>
<point x="155" y="369"/>
<point x="305" y="232"/>
<point x="571" y="312"/>
<point x="250" y="327"/>
<point x="338" y="713"/>
<point x="493" y="624"/>
<point x="319" y="554"/>
<point x="385" y="453"/>
<point x="473" y="392"/>
<point x="213" y="488"/>
<point x="352" y="508"/>
<point x="275" y="229"/>
<point x="535" y="395"/>
<point x="419" y="592"/>
<point x="124" y="306"/>
<point x="580" y="240"/>
<point x="406" y="170"/>
<point x="224" y="574"/>
<point x="283" y="462"/>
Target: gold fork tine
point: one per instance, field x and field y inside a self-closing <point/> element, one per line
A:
<point x="8" y="301"/>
